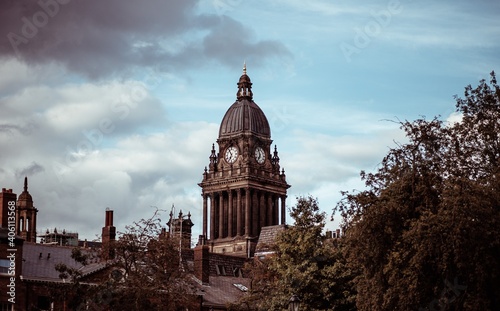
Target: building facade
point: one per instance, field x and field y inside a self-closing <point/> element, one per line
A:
<point x="243" y="188"/>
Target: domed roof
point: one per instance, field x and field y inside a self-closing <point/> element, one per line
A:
<point x="25" y="196"/>
<point x="244" y="115"/>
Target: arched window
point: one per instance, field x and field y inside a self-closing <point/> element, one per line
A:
<point x="21" y="223"/>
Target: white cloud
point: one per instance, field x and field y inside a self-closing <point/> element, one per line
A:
<point x="454" y="117"/>
<point x="158" y="169"/>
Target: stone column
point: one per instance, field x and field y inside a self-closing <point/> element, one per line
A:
<point x="276" y="209"/>
<point x="270" y="212"/>
<point x="283" y="209"/>
<point x="262" y="208"/>
<point x="205" y="218"/>
<point x="255" y="214"/>
<point x="248" y="215"/>
<point x="230" y="214"/>
<point x="212" y="216"/>
<point x="221" y="214"/>
<point x="238" y="212"/>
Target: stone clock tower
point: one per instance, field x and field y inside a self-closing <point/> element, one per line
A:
<point x="243" y="188"/>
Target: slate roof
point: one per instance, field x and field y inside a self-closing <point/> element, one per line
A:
<point x="42" y="268"/>
<point x="267" y="238"/>
<point x="223" y="291"/>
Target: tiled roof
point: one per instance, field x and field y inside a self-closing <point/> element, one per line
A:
<point x="223" y="291"/>
<point x="267" y="238"/>
<point x="40" y="260"/>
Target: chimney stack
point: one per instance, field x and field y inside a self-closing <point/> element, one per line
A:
<point x="108" y="236"/>
<point x="202" y="263"/>
<point x="109" y="218"/>
<point x="8" y="201"/>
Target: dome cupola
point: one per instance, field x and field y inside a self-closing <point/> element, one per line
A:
<point x="25" y="195"/>
<point x="244" y="115"/>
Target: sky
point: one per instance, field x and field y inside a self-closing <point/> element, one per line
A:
<point x="116" y="104"/>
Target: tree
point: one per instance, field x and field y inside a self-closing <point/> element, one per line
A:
<point x="145" y="274"/>
<point x="425" y="234"/>
<point x="304" y="264"/>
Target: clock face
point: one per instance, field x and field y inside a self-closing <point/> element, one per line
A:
<point x="231" y="154"/>
<point x="260" y="156"/>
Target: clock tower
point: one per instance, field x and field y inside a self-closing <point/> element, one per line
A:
<point x="243" y="188"/>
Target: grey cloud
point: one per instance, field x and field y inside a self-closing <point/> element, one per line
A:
<point x="230" y="41"/>
<point x="11" y="129"/>
<point x="98" y="39"/>
<point x="30" y="170"/>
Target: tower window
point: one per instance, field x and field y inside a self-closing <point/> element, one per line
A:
<point x="21" y="224"/>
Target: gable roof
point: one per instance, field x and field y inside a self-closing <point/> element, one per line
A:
<point x="267" y="239"/>
<point x="40" y="260"/>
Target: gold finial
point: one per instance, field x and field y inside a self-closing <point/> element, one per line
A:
<point x="244" y="67"/>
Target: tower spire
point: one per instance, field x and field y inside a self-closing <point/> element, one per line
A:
<point x="27" y="212"/>
<point x="244" y="67"/>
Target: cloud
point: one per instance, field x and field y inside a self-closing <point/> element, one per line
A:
<point x="61" y="138"/>
<point x="121" y="138"/>
<point x="443" y="24"/>
<point x="30" y="170"/>
<point x="333" y="159"/>
<point x="138" y="172"/>
<point x="97" y="39"/>
<point x="229" y="42"/>
<point x="453" y="118"/>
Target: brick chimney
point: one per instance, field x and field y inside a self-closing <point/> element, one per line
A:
<point x="108" y="236"/>
<point x="202" y="262"/>
<point x="7" y="196"/>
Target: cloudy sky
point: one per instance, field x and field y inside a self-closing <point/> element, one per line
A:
<point x="117" y="103"/>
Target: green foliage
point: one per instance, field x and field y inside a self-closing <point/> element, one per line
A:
<point x="425" y="234"/>
<point x="304" y="264"/>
